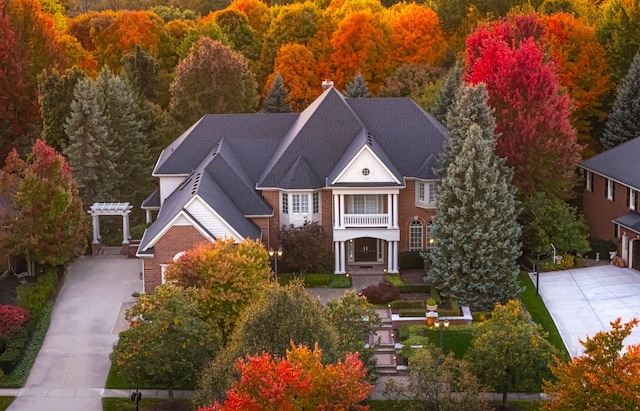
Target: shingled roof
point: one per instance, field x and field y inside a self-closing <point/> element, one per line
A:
<point x="229" y="157"/>
<point x="618" y="163"/>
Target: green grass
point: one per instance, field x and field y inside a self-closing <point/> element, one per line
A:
<point x="394" y="279"/>
<point x="316" y="280"/>
<point x="5" y="402"/>
<point x="118" y="382"/>
<point x="540" y="314"/>
<point x="455" y="339"/>
<point x="146" y="404"/>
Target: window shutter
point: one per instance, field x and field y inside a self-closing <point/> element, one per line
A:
<point x="628" y="196"/>
<point x="613" y="191"/>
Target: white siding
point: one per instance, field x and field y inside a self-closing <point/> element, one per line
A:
<point x="210" y="220"/>
<point x="168" y="186"/>
<point x="366" y="159"/>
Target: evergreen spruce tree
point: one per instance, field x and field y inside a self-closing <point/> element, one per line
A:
<point x="469" y="107"/>
<point x="55" y="94"/>
<point x="447" y="94"/>
<point x="277" y="97"/>
<point x="476" y="231"/>
<point x="141" y="72"/>
<point x="623" y="123"/>
<point x="133" y="163"/>
<point x="358" y="87"/>
<point x="90" y="151"/>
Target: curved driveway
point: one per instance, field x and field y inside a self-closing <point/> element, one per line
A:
<point x="584" y="301"/>
<point x="72" y="366"/>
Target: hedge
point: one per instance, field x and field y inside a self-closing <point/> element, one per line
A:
<point x="34" y="296"/>
<point x="410" y="260"/>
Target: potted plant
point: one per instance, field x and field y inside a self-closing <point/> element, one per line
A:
<point x="432" y="304"/>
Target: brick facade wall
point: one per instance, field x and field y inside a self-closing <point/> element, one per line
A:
<point x="175" y="240"/>
<point x="407" y="212"/>
<point x="599" y="211"/>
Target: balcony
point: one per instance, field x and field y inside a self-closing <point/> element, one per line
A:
<point x="366" y="220"/>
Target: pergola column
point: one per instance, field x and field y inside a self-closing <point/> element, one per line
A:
<point x="125" y="228"/>
<point x="96" y="229"/>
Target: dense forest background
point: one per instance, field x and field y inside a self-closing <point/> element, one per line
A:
<point x="109" y="83"/>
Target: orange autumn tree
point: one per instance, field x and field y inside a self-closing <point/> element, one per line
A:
<point x="128" y="29"/>
<point x="416" y="35"/>
<point x="298" y="382"/>
<point x="296" y="65"/>
<point x="602" y="378"/>
<point x="361" y="44"/>
<point x="257" y="13"/>
<point x="583" y="69"/>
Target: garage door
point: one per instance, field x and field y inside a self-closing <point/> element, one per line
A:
<point x="635" y="262"/>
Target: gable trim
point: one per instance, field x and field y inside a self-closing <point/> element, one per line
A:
<point x="356" y="157"/>
<point x="182" y="213"/>
<point x="235" y="233"/>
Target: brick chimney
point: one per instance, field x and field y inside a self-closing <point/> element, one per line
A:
<point x="327" y="84"/>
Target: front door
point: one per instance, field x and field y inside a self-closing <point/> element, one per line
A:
<point x="365" y="249"/>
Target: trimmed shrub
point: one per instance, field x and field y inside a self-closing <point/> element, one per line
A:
<point x="415" y="288"/>
<point x="602" y="247"/>
<point x="410" y="259"/>
<point x="381" y="293"/>
<point x="34" y="296"/>
<point x="12" y="319"/>
<point x="14" y="350"/>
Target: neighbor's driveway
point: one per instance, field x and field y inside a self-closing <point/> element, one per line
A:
<point x="584" y="301"/>
<point x="71" y="368"/>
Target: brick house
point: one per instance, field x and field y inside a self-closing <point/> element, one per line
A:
<point x="611" y="199"/>
<point x="361" y="167"/>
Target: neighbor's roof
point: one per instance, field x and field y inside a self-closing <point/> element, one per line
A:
<point x="619" y="163"/>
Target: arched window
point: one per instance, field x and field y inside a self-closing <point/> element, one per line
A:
<point x="415" y="236"/>
<point x="430" y="240"/>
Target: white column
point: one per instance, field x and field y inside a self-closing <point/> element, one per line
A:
<point x="395" y="256"/>
<point x="389" y="256"/>
<point x="125" y="228"/>
<point x="395" y="211"/>
<point x="342" y="210"/>
<point x="147" y="214"/>
<point x="390" y="211"/>
<point x="336" y="211"/>
<point x="96" y="229"/>
<point x="336" y="257"/>
<point x="343" y="262"/>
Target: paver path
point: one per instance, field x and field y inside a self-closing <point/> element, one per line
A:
<point x="72" y="366"/>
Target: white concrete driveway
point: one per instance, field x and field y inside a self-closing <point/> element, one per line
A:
<point x="72" y="366"/>
<point x="584" y="301"/>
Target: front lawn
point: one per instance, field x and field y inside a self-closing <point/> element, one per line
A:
<point x="145" y="404"/>
<point x="5" y="402"/>
<point x="540" y="314"/>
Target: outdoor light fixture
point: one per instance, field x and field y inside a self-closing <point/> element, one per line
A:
<point x="136" y="396"/>
<point x="275" y="255"/>
<point x="442" y="324"/>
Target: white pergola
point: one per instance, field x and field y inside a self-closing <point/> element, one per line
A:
<point x="98" y="209"/>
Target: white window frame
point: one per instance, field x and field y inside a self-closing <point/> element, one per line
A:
<point x="633" y="196"/>
<point x="426" y="193"/>
<point x="163" y="269"/>
<point x="610" y="189"/>
<point x="416" y="230"/>
<point x="366" y="204"/>
<point x="316" y="202"/>
<point x="589" y="181"/>
<point x="299" y="203"/>
<point x="285" y="203"/>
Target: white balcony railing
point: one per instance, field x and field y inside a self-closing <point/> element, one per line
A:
<point x="366" y="220"/>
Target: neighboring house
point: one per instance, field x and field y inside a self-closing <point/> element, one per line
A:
<point x="362" y="168"/>
<point x="611" y="199"/>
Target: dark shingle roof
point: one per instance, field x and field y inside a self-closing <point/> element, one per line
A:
<point x="631" y="220"/>
<point x="618" y="163"/>
<point x="153" y="201"/>
<point x="231" y="156"/>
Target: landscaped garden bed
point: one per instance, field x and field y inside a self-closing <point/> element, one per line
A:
<point x="315" y="280"/>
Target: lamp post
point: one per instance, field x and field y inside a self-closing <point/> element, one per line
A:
<point x="275" y="255"/>
<point x="136" y="396"/>
<point x="441" y="324"/>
